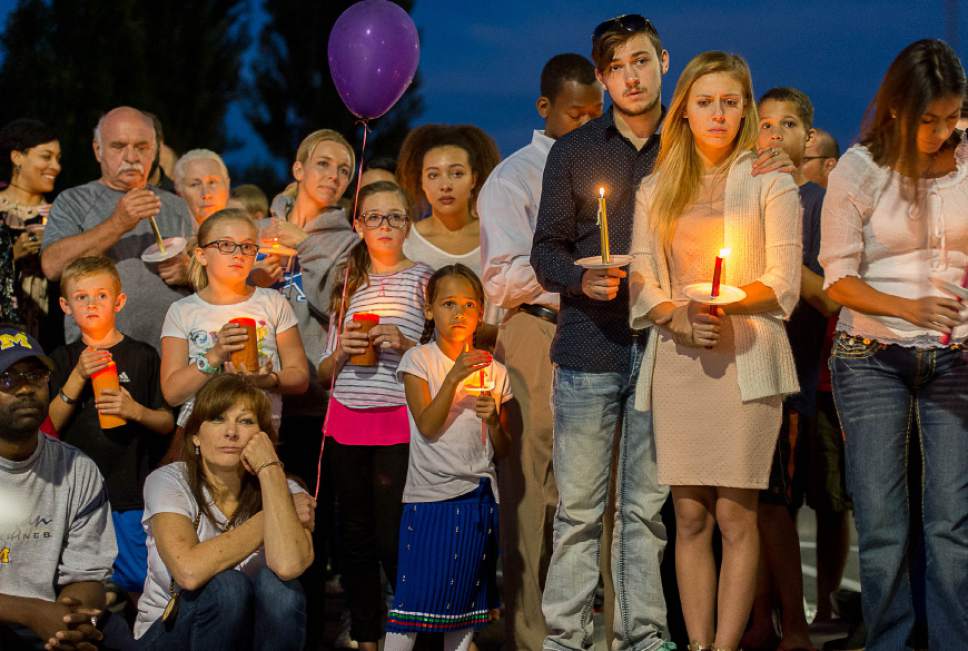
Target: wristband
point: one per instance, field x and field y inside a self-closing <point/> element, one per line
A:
<point x="203" y="365"/>
<point x="267" y="464"/>
<point x="66" y="398"/>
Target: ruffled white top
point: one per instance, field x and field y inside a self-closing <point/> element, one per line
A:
<point x="868" y="230"/>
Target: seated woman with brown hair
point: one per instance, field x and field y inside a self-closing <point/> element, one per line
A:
<point x="228" y="534"/>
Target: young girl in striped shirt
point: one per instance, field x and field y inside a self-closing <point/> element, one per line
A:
<point x="367" y="420"/>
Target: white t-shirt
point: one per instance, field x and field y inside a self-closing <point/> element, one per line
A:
<point x="167" y="491"/>
<point x="199" y="321"/>
<point x="453" y="464"/>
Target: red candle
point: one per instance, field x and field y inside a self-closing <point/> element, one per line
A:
<point x="718" y="272"/>
<point x="946" y="337"/>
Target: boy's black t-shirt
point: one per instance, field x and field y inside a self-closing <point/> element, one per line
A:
<point x="124" y="455"/>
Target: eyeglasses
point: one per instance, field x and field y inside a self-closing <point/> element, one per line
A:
<point x="11" y="380"/>
<point x="373" y="220"/>
<point x="624" y="23"/>
<point x="228" y="247"/>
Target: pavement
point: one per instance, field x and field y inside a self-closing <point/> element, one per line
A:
<point x="491" y="638"/>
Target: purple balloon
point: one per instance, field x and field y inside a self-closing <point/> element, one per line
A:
<point x="373" y="54"/>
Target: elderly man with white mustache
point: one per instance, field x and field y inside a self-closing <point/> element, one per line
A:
<point x="110" y="216"/>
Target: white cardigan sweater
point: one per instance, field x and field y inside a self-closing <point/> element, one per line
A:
<point x="762" y="227"/>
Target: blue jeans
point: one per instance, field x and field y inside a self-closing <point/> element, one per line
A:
<point x="588" y="408"/>
<point x="233" y="611"/>
<point x="880" y="392"/>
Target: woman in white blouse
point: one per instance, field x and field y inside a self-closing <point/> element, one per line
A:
<point x="894" y="249"/>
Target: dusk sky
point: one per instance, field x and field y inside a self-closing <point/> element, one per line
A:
<point x="480" y="61"/>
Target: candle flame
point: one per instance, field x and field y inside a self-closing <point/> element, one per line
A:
<point x="724" y="252"/>
<point x="601" y="192"/>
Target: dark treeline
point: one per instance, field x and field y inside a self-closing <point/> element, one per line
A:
<point x="68" y="61"/>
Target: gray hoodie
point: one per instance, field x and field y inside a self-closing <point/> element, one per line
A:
<point x="309" y="289"/>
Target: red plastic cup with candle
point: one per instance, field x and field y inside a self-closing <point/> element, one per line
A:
<point x="369" y="357"/>
<point x="107" y="378"/>
<point x="246" y="359"/>
<point x="946" y="337"/>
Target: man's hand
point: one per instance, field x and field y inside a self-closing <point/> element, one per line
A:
<point x="120" y="403"/>
<point x="601" y="284"/>
<point x="134" y="206"/>
<point x="65" y="625"/>
<point x="175" y="271"/>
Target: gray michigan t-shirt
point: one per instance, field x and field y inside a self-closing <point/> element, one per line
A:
<point x="55" y="523"/>
<point x="80" y="209"/>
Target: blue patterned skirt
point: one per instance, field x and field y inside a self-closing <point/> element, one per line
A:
<point x="446" y="564"/>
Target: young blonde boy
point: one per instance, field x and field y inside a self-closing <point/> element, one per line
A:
<point x="91" y="293"/>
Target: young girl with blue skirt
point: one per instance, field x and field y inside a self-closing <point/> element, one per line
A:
<point x="458" y="399"/>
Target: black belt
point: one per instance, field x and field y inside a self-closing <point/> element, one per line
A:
<point x="540" y="311"/>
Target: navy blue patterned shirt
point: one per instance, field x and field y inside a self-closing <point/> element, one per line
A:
<point x="592" y="336"/>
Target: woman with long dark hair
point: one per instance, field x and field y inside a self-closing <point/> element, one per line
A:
<point x="442" y="168"/>
<point x="228" y="534"/>
<point x="894" y="249"/>
<point x="30" y="162"/>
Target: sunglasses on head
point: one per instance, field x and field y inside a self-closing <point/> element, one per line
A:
<point x="624" y="23"/>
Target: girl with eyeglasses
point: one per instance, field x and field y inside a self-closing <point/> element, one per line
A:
<point x="366" y="420"/>
<point x="199" y="337"/>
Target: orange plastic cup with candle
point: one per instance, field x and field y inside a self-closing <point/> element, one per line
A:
<point x="246" y="359"/>
<point x="107" y="378"/>
<point x="369" y="357"/>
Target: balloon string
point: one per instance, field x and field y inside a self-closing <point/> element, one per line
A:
<point x="342" y="314"/>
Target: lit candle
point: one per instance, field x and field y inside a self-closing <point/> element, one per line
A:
<point x="718" y="272"/>
<point x="603" y="225"/>
<point x="479" y="390"/>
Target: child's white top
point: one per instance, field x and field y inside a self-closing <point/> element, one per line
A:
<point x="199" y="321"/>
<point x="455" y="463"/>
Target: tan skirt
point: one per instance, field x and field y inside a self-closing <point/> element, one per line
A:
<point x="705" y="434"/>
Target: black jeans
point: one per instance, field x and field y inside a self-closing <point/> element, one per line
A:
<point x="369" y="492"/>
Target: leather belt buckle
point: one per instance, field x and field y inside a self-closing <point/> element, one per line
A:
<point x="540" y="311"/>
